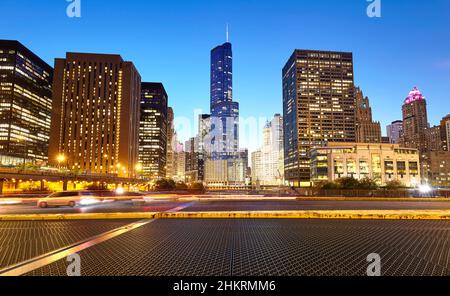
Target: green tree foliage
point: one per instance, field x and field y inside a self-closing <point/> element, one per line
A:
<point x="348" y="183"/>
<point x="395" y="184"/>
<point x="164" y="184"/>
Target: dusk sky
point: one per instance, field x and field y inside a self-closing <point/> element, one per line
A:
<point x="170" y="42"/>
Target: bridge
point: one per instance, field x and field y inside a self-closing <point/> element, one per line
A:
<point x="17" y="175"/>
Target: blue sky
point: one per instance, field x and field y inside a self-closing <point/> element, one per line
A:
<point x="170" y="41"/>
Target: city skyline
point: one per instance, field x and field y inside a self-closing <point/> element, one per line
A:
<point x="225" y="147"/>
<point x="261" y="50"/>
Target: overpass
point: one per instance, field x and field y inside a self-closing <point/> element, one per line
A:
<point x="16" y="175"/>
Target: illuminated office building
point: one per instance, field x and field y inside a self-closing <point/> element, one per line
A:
<point x="318" y="107"/>
<point x="25" y="105"/>
<point x="95" y="114"/>
<point x="153" y="130"/>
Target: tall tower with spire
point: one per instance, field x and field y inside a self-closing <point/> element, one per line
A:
<point x="224" y="111"/>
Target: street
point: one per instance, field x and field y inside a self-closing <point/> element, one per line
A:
<point x="224" y="247"/>
<point x="230" y="205"/>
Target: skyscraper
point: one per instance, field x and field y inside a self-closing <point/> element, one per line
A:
<point x="267" y="162"/>
<point x="318" y="107"/>
<point x="95" y="114"/>
<point x="171" y="140"/>
<point x="25" y="105"/>
<point x="224" y="112"/>
<point x="415" y="121"/>
<point x="394" y="131"/>
<point x="367" y="131"/>
<point x="224" y="163"/>
<point x="153" y="130"/>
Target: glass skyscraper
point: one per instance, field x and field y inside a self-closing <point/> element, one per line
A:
<point x="25" y="105"/>
<point x="153" y="130"/>
<point x="224" y="112"/>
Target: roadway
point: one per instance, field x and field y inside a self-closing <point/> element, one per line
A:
<point x="224" y="247"/>
<point x="197" y="205"/>
<point x="236" y="247"/>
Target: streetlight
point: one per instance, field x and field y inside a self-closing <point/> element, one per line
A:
<point x="60" y="158"/>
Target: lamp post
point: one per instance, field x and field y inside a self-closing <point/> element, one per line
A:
<point x="60" y="158"/>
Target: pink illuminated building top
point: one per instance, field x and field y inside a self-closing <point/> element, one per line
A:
<point x="414" y="95"/>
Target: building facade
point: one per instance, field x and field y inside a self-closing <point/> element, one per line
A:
<point x="227" y="173"/>
<point x="318" y="107"/>
<point x="204" y="128"/>
<point x="437" y="168"/>
<point x="415" y="121"/>
<point x="95" y="114"/>
<point x="180" y="162"/>
<point x="267" y="162"/>
<point x="171" y="138"/>
<point x="433" y="138"/>
<point x="224" y="111"/>
<point x="153" y="130"/>
<point x="192" y="160"/>
<point x="394" y="131"/>
<point x="25" y="105"/>
<point x="367" y="131"/>
<point x="380" y="162"/>
<point x="445" y="133"/>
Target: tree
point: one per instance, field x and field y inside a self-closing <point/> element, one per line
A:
<point x="326" y="185"/>
<point x="394" y="184"/>
<point x="164" y="184"/>
<point x="368" y="184"/>
<point x="348" y="183"/>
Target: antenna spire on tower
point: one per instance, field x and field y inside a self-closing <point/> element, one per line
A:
<point x="228" y="34"/>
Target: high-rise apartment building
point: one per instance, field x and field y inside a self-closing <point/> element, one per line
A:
<point x="25" y="105"/>
<point x="394" y="131"/>
<point x="153" y="130"/>
<point x="415" y="121"/>
<point x="95" y="114"/>
<point x="318" y="107"/>
<point x="367" y="131"/>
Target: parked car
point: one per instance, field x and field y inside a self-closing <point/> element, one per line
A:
<point x="69" y="199"/>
